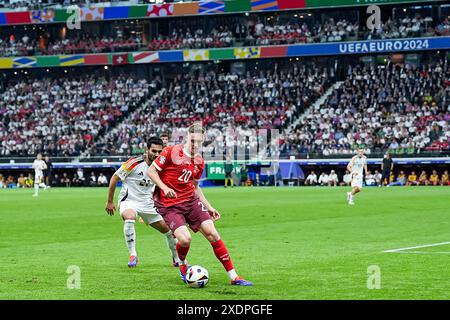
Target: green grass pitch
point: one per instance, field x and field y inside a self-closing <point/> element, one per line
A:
<point x="293" y="243"/>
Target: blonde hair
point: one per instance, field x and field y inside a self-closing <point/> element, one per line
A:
<point x="196" y="128"/>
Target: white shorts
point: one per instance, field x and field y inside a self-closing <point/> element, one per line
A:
<point x="357" y="181"/>
<point x="38" y="178"/>
<point x="147" y="213"/>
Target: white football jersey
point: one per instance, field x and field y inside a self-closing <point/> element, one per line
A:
<point x="137" y="186"/>
<point x="39" y="166"/>
<point x="358" y="164"/>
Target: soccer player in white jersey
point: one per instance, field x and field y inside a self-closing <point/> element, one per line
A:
<point x="39" y="166"/>
<point x="136" y="199"/>
<point x="356" y="166"/>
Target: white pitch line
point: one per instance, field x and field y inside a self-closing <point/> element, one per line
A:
<point x="423" y="252"/>
<point x="417" y="247"/>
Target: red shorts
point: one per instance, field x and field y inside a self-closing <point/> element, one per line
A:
<point x="193" y="212"/>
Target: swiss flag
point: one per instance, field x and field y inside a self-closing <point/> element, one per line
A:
<point x="120" y="59"/>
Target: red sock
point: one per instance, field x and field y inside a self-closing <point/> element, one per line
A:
<point x="221" y="253"/>
<point x="182" y="252"/>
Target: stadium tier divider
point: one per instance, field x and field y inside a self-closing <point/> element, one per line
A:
<point x="234" y="53"/>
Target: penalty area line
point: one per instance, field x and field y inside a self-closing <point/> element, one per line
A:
<point x="417" y="247"/>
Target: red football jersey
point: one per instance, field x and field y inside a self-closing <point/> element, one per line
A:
<point x="177" y="170"/>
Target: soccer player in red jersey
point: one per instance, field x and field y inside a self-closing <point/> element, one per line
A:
<point x="179" y="199"/>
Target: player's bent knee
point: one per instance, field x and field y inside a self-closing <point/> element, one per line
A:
<point x="184" y="241"/>
<point x="213" y="236"/>
<point x="128" y="215"/>
<point x="183" y="236"/>
<point x="209" y="231"/>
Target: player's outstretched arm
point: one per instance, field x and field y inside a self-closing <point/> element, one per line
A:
<point x="110" y="207"/>
<point x="152" y="172"/>
<point x="212" y="211"/>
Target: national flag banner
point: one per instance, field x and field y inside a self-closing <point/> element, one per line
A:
<point x="92" y="13"/>
<point x="196" y="55"/>
<point x="95" y="59"/>
<point x="62" y="15"/>
<point x="221" y="54"/>
<point x="116" y="12"/>
<point x="291" y="4"/>
<point x="247" y="53"/>
<point x="2" y="18"/>
<point x="237" y="5"/>
<point x="47" y="61"/>
<point x="6" y="63"/>
<point x="71" y="60"/>
<point x="171" y="56"/>
<point x="160" y="10"/>
<point x="18" y="17"/>
<point x="211" y="7"/>
<point x="42" y="16"/>
<point x="118" y="59"/>
<point x="24" y="62"/>
<point x="144" y="57"/>
<point x="263" y="5"/>
<point x="273" y="51"/>
<point x="183" y="9"/>
<point x="138" y="11"/>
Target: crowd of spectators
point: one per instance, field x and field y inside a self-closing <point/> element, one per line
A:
<point x="85" y="43"/>
<point x="217" y="37"/>
<point x="405" y="109"/>
<point x="410" y="27"/>
<point x="63" y="116"/>
<point x="254" y="100"/>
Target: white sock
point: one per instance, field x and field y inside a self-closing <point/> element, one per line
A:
<point x="130" y="236"/>
<point x="36" y="188"/>
<point x="171" y="243"/>
<point x="42" y="185"/>
<point x="232" y="274"/>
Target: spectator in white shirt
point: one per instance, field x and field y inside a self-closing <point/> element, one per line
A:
<point x="323" y="179"/>
<point x="311" y="179"/>
<point x="93" y="179"/>
<point x="102" y="180"/>
<point x="377" y="177"/>
<point x="333" y="179"/>
<point x="347" y="179"/>
<point x="370" y="179"/>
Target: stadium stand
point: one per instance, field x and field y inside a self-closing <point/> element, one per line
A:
<point x="63" y="116"/>
<point x="260" y="99"/>
<point x="401" y="108"/>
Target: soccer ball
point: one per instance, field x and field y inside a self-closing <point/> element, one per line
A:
<point x="197" y="276"/>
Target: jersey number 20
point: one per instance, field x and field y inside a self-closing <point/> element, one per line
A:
<point x="185" y="176"/>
